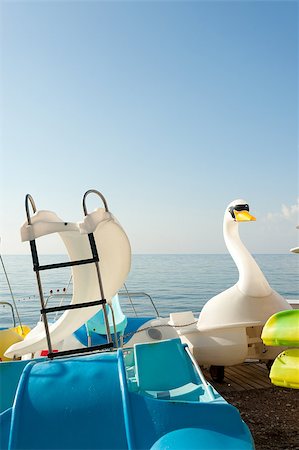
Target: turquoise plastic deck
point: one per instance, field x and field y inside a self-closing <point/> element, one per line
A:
<point x="5" y="420"/>
<point x="133" y="323"/>
<point x="10" y="373"/>
<point x="69" y="404"/>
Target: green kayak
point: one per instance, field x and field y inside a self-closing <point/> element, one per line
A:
<point x="282" y="329"/>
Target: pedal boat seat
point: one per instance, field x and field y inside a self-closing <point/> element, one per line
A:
<point x="164" y="371"/>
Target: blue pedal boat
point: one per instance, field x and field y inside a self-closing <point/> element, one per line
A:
<point x="152" y="396"/>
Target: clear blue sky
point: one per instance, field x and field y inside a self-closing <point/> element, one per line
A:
<point x="171" y="109"/>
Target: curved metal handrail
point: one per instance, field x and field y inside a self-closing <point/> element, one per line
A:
<point x="28" y="199"/>
<point x="12" y="312"/>
<point x="94" y="191"/>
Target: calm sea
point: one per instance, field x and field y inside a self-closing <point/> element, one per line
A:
<point x="175" y="282"/>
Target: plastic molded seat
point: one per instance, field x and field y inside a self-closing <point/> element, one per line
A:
<point x="183" y="321"/>
<point x="187" y="392"/>
<point x="163" y="370"/>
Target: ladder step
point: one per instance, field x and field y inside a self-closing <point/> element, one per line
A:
<point x="80" y="350"/>
<point x="76" y="306"/>
<point x="37" y="267"/>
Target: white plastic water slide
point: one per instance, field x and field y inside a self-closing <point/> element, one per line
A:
<point x="115" y="260"/>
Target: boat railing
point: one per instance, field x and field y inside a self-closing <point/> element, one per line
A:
<point x="123" y="294"/>
<point x="140" y="295"/>
<point x="12" y="311"/>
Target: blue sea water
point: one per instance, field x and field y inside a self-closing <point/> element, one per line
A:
<point x="176" y="282"/>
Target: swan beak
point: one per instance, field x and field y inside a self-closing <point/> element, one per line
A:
<point x="243" y="216"/>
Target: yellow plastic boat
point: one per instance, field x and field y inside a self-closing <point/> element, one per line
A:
<point x="285" y="369"/>
<point x="282" y="329"/>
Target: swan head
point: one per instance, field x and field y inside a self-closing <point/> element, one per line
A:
<point x="238" y="211"/>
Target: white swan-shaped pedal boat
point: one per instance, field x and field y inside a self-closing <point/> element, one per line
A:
<point x="229" y="327"/>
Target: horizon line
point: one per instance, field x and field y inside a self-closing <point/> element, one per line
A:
<point x="156" y="254"/>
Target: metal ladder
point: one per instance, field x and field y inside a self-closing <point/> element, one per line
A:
<point x="94" y="260"/>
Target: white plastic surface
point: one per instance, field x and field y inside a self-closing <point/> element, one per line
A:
<point x="251" y="299"/>
<point x="115" y="261"/>
<point x="221" y="347"/>
<point x="151" y="331"/>
<point x="43" y="223"/>
<point x="183" y="321"/>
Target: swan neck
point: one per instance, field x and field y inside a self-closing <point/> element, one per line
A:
<point x="251" y="279"/>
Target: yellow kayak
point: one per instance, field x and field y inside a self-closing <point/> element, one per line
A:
<point x="285" y="369"/>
